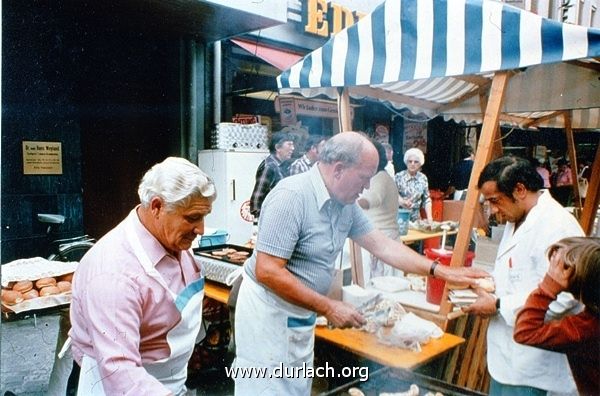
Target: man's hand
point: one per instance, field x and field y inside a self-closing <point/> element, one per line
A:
<point x="485" y="305"/>
<point x="343" y="315"/>
<point x="461" y="276"/>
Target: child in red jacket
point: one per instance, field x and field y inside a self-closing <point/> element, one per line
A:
<point x="575" y="268"/>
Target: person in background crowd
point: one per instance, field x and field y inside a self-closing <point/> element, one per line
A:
<point x="389" y="154"/>
<point x="270" y="171"/>
<point x="564" y="175"/>
<point x="574" y="267"/>
<point x="314" y="143"/>
<point x="136" y="307"/>
<point x="542" y="171"/>
<point x="413" y="186"/>
<point x="535" y="220"/>
<point x="304" y="223"/>
<point x="563" y="183"/>
<point x="585" y="169"/>
<point x="461" y="174"/>
<point x="380" y="202"/>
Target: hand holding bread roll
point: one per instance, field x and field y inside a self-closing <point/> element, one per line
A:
<point x="487" y="284"/>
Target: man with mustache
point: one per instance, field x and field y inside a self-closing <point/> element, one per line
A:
<point x="514" y="190"/>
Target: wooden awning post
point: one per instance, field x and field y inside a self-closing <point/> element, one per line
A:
<point x="482" y="157"/>
<point x="592" y="199"/>
<point x="345" y="118"/>
<point x="344" y="114"/>
<point x="572" y="156"/>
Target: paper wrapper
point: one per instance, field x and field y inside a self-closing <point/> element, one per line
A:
<point x="33" y="269"/>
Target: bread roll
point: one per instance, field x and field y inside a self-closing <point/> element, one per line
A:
<point x="49" y="290"/>
<point x="487" y="284"/>
<point x="11" y="297"/>
<point x="66" y="277"/>
<point x="23" y="286"/>
<point x="31" y="294"/>
<point x="44" y="282"/>
<point x="64" y="286"/>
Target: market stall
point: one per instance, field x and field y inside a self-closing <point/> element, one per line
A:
<point x="476" y="61"/>
<point x="473" y="61"/>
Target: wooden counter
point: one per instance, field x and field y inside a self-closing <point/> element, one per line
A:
<point x="364" y="344"/>
<point x="367" y="345"/>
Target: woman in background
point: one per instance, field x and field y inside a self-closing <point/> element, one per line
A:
<point x="380" y="202"/>
<point x="413" y="186"/>
<point x="575" y="268"/>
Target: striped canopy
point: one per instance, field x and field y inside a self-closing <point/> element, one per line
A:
<point x="437" y="56"/>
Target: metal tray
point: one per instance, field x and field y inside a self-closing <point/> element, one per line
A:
<point x="393" y="380"/>
<point x="206" y="252"/>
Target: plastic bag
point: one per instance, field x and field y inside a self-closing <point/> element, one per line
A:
<point x="409" y="332"/>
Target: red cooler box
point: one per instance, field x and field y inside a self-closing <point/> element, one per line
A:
<point x="435" y="287"/>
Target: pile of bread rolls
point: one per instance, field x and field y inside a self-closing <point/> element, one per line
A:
<point x="17" y="292"/>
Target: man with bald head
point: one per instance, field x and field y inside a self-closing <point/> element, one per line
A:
<point x="303" y="224"/>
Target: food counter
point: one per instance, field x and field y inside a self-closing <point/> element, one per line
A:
<point x="365" y="344"/>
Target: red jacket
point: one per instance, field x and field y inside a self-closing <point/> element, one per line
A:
<point x="578" y="336"/>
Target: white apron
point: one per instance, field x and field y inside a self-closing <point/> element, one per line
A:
<point x="170" y="371"/>
<point x="274" y="334"/>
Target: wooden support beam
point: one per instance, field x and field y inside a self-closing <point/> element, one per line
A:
<point x="344" y="114"/>
<point x="482" y="157"/>
<point x="572" y="157"/>
<point x="345" y="118"/>
<point x="592" y="199"/>
<point x="531" y="122"/>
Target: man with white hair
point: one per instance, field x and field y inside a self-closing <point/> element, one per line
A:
<point x="303" y="225"/>
<point x="413" y="185"/>
<point x="137" y="294"/>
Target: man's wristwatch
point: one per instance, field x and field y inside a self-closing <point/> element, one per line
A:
<point x="434" y="264"/>
<point x="498" y="304"/>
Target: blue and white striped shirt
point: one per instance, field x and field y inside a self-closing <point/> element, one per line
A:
<point x="300" y="222"/>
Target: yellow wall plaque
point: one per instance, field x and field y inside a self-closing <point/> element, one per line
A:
<point x="42" y="158"/>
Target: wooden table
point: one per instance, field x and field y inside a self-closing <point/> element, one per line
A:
<point x="365" y="344"/>
<point x="414" y="235"/>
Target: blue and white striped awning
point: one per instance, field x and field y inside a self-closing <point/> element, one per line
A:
<point x="433" y="55"/>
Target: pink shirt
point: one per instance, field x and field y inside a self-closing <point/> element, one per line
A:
<point x="545" y="174"/>
<point x="119" y="315"/>
<point x="564" y="178"/>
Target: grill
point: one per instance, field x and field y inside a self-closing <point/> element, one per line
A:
<point x="393" y="380"/>
<point x="218" y="268"/>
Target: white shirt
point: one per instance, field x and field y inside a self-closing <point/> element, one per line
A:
<point x="520" y="265"/>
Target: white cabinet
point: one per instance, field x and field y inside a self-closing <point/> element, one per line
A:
<point x="234" y="174"/>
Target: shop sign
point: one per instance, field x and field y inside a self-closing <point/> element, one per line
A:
<point x="246" y="119"/>
<point x="415" y="135"/>
<point x="325" y="19"/>
<point x="290" y="108"/>
<point x="287" y="111"/>
<point x="42" y="158"/>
